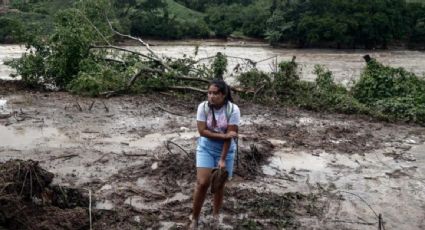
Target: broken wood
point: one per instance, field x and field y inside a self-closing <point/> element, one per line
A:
<point x="135" y="154"/>
<point x="91" y="105"/>
<point x="5" y="115"/>
<point x="184" y="88"/>
<point x="78" y="106"/>
<point x="106" y="108"/>
<point x="68" y="156"/>
<point x="167" y="145"/>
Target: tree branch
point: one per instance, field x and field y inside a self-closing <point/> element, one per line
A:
<point x="95" y="28"/>
<point x="192" y="79"/>
<point x="122" y="49"/>
<point x="188" y="88"/>
<point x="143" y="43"/>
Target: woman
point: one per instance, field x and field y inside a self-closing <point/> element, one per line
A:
<point x="217" y="121"/>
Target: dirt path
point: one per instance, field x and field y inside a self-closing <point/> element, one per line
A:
<point x="297" y="169"/>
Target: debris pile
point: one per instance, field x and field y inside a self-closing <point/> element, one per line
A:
<point x="29" y="202"/>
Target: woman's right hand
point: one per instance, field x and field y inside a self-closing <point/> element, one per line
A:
<point x="231" y="134"/>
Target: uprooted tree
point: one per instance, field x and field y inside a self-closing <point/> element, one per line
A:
<point x="80" y="57"/>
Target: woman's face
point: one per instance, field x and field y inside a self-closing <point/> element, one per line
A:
<point x="215" y="97"/>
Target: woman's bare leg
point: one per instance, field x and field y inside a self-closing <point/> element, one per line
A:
<point x="218" y="201"/>
<point x="201" y="188"/>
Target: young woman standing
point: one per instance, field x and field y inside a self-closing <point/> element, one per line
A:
<point x="217" y="120"/>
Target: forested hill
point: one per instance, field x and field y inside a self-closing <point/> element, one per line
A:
<point x="302" y="23"/>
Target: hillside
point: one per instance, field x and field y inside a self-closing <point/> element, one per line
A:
<point x="319" y="23"/>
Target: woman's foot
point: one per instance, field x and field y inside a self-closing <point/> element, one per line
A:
<point x="193" y="225"/>
<point x="215" y="222"/>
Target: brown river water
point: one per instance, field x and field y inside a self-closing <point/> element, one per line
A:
<point x="346" y="65"/>
<point x="356" y="168"/>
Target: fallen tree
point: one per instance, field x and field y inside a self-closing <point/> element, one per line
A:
<point x="80" y="57"/>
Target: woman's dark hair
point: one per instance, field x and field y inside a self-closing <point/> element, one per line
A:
<point x="223" y="88"/>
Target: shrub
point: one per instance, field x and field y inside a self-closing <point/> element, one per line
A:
<point x="379" y="82"/>
<point x="11" y="30"/>
<point x="219" y="65"/>
<point x="56" y="60"/>
<point x="392" y="91"/>
<point x="286" y="79"/>
<point x="401" y="108"/>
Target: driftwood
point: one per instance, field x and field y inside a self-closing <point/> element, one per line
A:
<point x="67" y="156"/>
<point x="5" y="115"/>
<point x="185" y="88"/>
<point x="135" y="154"/>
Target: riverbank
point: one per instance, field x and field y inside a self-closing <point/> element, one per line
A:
<point x="346" y="65"/>
<point x="309" y="164"/>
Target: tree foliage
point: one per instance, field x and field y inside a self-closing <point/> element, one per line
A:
<point x="382" y="92"/>
<point x="304" y="23"/>
<point x="56" y="60"/>
<point x="11" y="30"/>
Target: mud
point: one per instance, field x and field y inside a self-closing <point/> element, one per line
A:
<point x="296" y="169"/>
<point x="27" y="201"/>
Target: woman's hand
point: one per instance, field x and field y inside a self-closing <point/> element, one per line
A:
<point x="231" y="134"/>
<point x="221" y="164"/>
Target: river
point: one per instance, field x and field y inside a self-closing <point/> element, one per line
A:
<point x="346" y="65"/>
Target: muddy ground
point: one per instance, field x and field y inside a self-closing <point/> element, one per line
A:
<point x="297" y="169"/>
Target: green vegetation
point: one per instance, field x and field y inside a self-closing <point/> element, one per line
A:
<point x="392" y="91"/>
<point x="12" y="30"/>
<point x="382" y="92"/>
<point x="73" y="57"/>
<point x="302" y="23"/>
<point x="56" y="60"/>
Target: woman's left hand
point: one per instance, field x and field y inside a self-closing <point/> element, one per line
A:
<point x="221" y="164"/>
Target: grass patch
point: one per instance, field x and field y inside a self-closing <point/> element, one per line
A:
<point x="183" y="12"/>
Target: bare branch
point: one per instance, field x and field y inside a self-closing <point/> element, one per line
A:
<point x="265" y="59"/>
<point x="240" y="90"/>
<point x="139" y="73"/>
<point x="122" y="49"/>
<point x="193" y="79"/>
<point x="143" y="43"/>
<point x="95" y="28"/>
<point x="204" y="59"/>
<point x="67" y="156"/>
<point x="253" y="63"/>
<point x="187" y="88"/>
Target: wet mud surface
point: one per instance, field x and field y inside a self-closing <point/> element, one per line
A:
<point x="296" y="169"/>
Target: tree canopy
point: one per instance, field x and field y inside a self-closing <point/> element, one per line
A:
<point x="303" y="23"/>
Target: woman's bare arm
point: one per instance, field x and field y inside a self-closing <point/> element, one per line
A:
<point x="203" y="131"/>
<point x="226" y="145"/>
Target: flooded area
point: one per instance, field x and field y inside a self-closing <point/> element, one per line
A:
<point x="325" y="171"/>
<point x="346" y="65"/>
<point x="295" y="170"/>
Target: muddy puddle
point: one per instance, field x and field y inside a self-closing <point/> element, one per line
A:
<point x="296" y="170"/>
